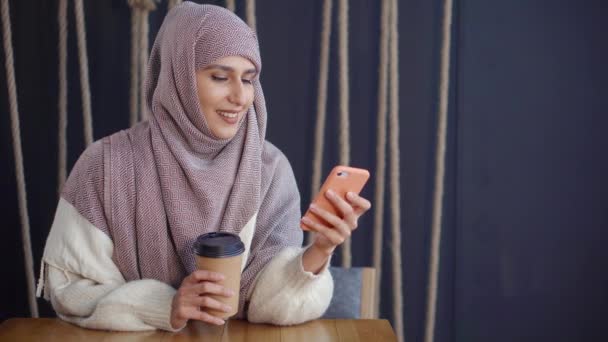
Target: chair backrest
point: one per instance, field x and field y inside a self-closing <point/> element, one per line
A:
<point x="353" y="293"/>
<point x="368" y="291"/>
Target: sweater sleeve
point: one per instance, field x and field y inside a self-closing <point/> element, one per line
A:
<point x="85" y="286"/>
<point x="286" y="294"/>
<point x="279" y="290"/>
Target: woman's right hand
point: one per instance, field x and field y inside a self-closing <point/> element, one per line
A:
<point x="192" y="298"/>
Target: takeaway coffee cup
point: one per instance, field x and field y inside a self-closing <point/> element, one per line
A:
<point x="222" y="253"/>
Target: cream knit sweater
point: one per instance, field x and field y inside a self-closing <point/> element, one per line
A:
<point x="85" y="287"/>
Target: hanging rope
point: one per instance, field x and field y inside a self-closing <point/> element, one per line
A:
<point x="381" y="150"/>
<point x="440" y="172"/>
<point x="250" y="13"/>
<point x="18" y="155"/>
<point x="344" y="93"/>
<point x="63" y="94"/>
<point x="133" y="94"/>
<point x="144" y="28"/>
<point x="140" y="26"/>
<point x="173" y="3"/>
<point x="230" y="5"/>
<point x="317" y="160"/>
<point x="395" y="183"/>
<point x="84" y="72"/>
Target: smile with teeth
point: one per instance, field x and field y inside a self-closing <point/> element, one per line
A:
<point x="228" y="114"/>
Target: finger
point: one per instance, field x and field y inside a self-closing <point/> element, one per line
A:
<point x="344" y="207"/>
<point x="212" y="288"/>
<point x="210" y="303"/>
<point x="332" y="219"/>
<point x="359" y="203"/>
<point x="331" y="234"/>
<point x="185" y="313"/>
<point x="195" y="313"/>
<point x="203" y="275"/>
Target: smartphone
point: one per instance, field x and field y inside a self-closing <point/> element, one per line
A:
<point x="341" y="179"/>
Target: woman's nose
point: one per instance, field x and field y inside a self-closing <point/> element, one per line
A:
<point x="237" y="94"/>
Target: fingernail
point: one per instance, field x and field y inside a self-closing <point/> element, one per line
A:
<point x="350" y="195"/>
<point x="331" y="193"/>
<point x="313" y="207"/>
<point x="306" y="220"/>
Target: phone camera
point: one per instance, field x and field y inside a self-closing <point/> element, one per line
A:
<point x="342" y="174"/>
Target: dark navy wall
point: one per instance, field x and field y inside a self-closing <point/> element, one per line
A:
<point x="531" y="234"/>
<point x="523" y="254"/>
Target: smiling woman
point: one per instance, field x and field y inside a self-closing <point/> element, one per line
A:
<point x="225" y="92"/>
<point x="119" y="254"/>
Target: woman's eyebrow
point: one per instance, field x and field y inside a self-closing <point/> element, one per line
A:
<point x="229" y="69"/>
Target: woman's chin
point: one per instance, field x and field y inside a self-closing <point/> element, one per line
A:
<point x="224" y="134"/>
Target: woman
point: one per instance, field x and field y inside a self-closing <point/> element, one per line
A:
<point x="119" y="254"/>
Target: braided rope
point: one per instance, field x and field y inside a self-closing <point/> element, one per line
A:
<point x="395" y="184"/>
<point x="250" y="13"/>
<point x="230" y="5"/>
<point x="144" y="28"/>
<point x="140" y="27"/>
<point x="63" y="94"/>
<point x="18" y="154"/>
<point x="317" y="160"/>
<point x="133" y="94"/>
<point x="381" y="150"/>
<point x="84" y="72"/>
<point x="444" y="84"/>
<point x="344" y="99"/>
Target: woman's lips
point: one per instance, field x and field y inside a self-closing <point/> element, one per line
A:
<point x="229" y="117"/>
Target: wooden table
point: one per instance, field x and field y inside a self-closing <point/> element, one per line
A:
<point x="48" y="329"/>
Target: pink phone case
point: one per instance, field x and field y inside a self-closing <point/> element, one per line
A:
<point x="341" y="179"/>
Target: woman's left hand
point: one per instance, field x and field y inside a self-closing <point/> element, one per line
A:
<point x="330" y="236"/>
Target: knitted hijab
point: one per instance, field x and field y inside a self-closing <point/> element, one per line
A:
<point x="164" y="182"/>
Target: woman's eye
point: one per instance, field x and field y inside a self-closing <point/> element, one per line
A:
<point x="218" y="78"/>
<point x="247" y="81"/>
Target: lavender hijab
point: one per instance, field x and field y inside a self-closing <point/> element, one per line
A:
<point x="154" y="188"/>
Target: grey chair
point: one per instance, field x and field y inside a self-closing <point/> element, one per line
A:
<point x="353" y="293"/>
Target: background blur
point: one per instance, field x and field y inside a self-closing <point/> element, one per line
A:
<point x="523" y="250"/>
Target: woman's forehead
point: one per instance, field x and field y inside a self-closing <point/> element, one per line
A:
<point x="233" y="63"/>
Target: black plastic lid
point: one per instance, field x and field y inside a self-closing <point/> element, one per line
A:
<point x="218" y="245"/>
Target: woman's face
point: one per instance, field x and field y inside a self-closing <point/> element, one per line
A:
<point x="225" y="92"/>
